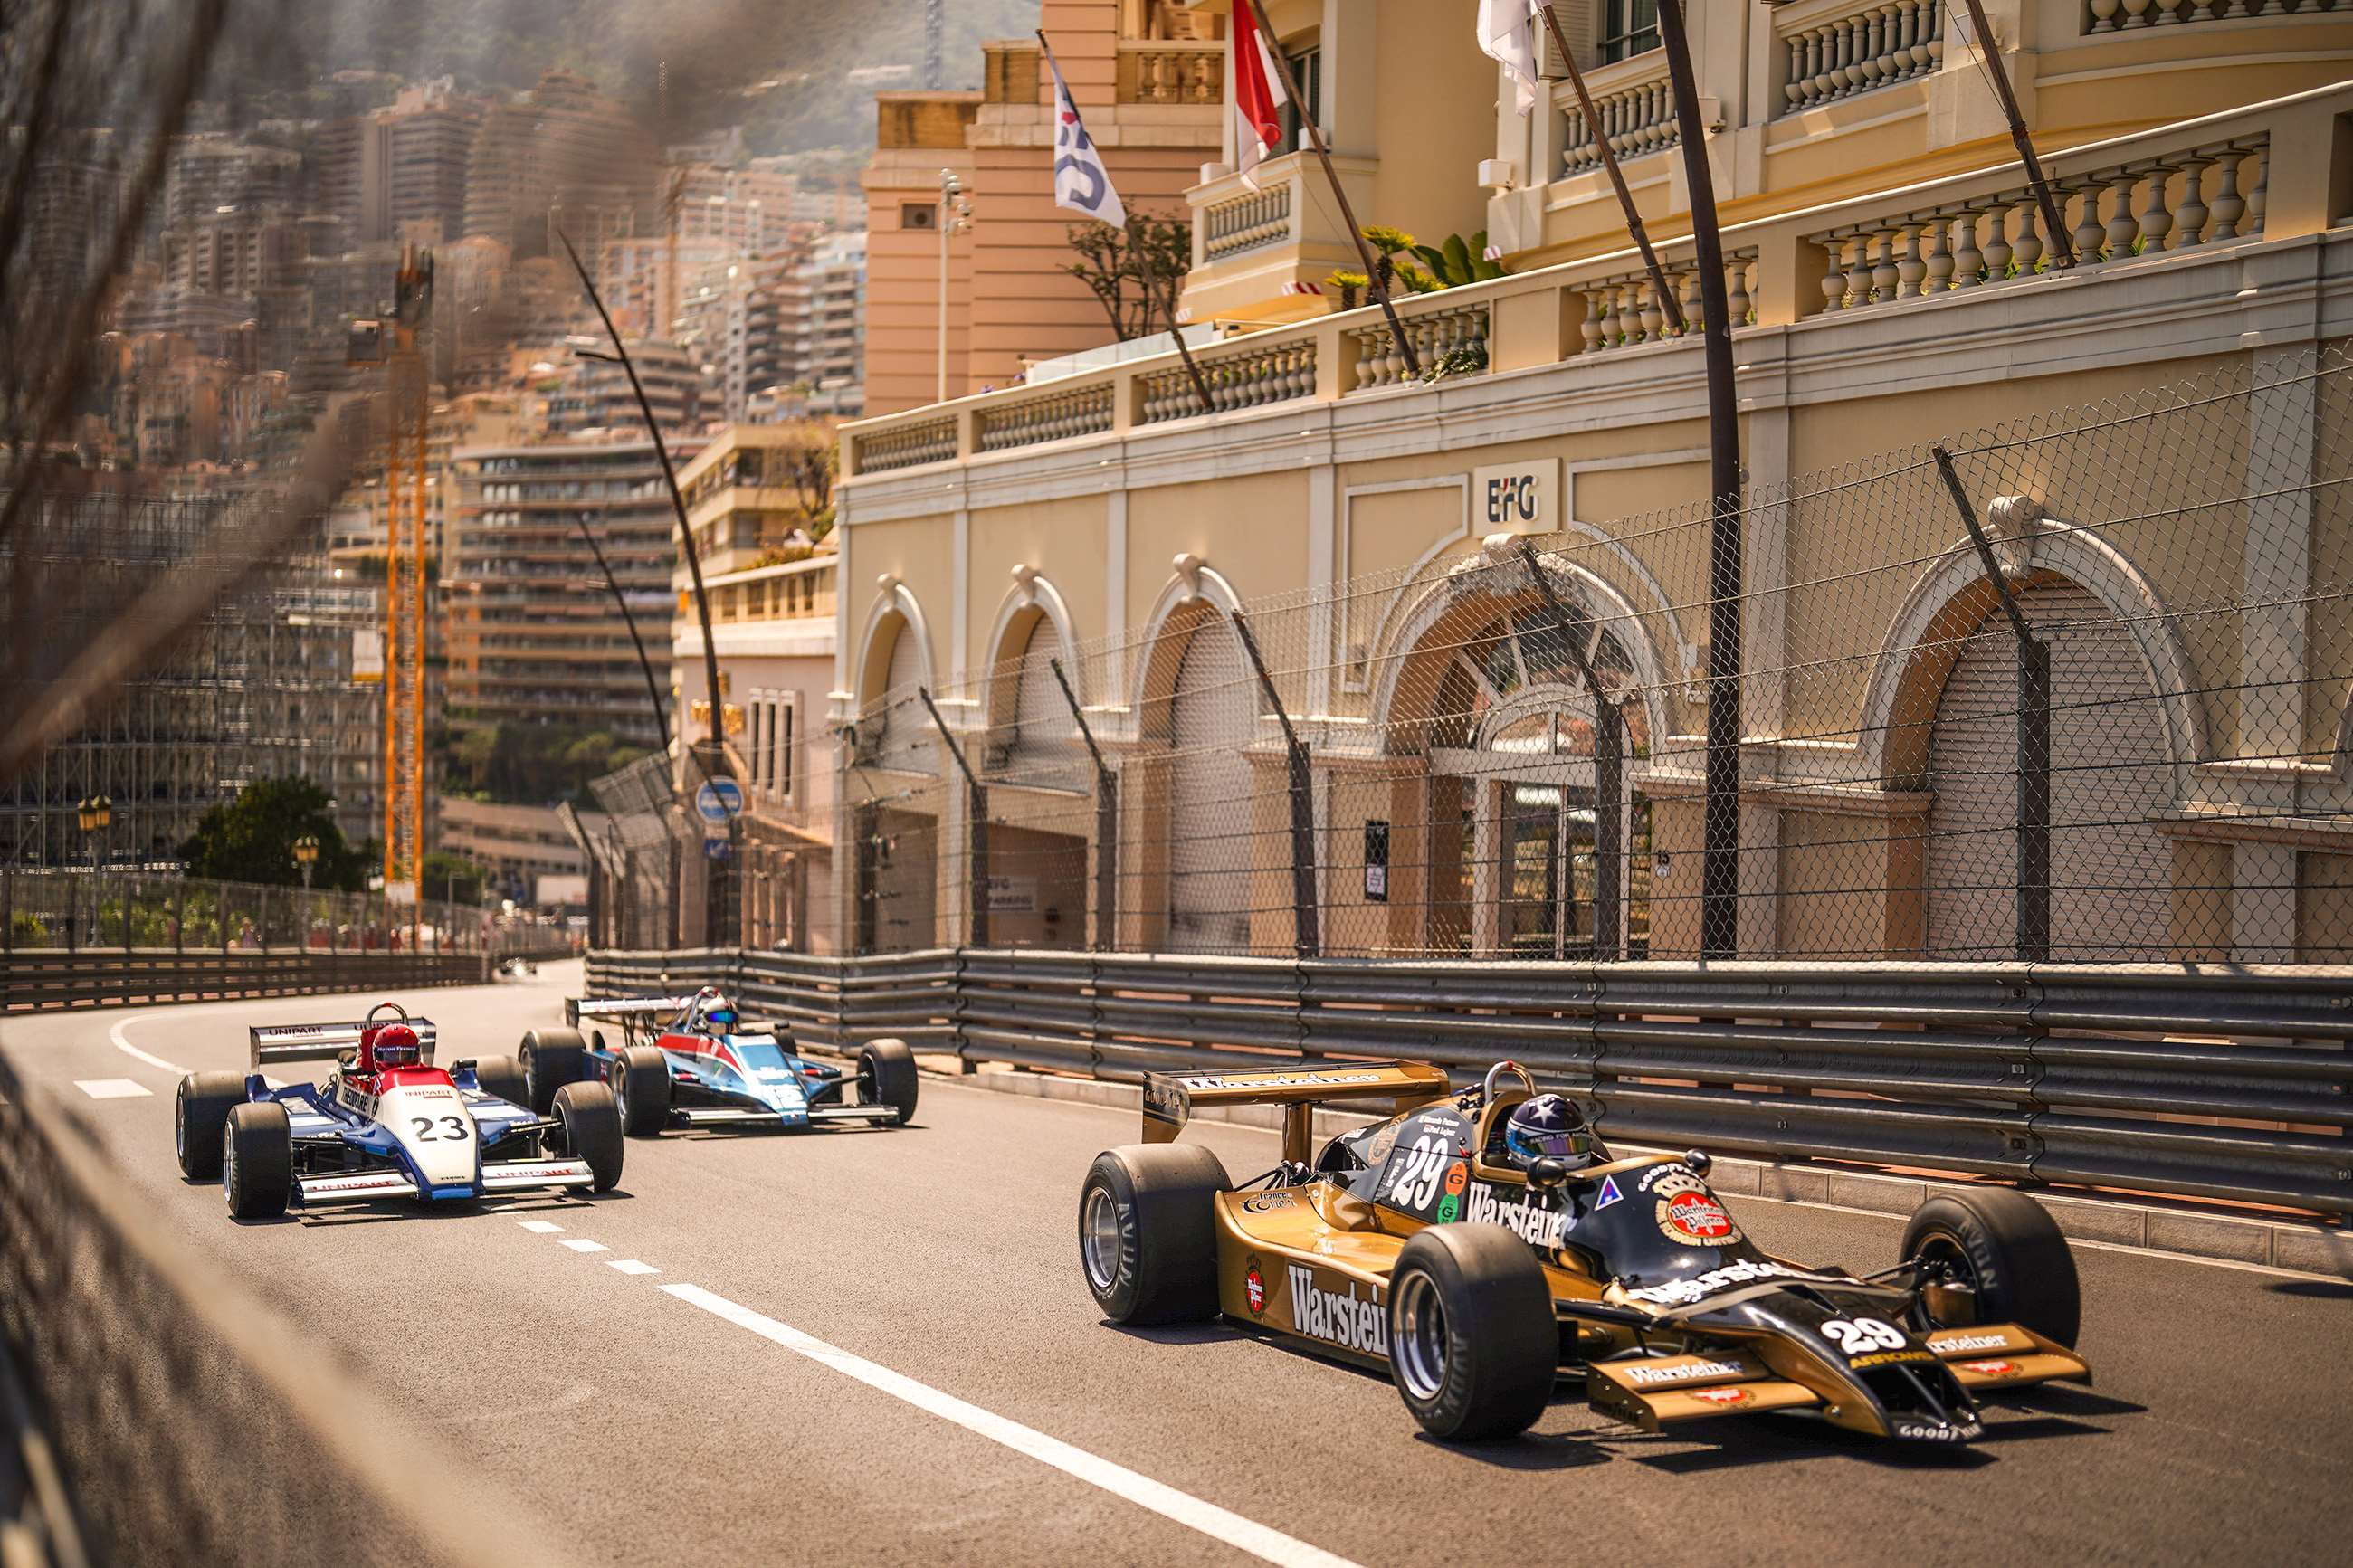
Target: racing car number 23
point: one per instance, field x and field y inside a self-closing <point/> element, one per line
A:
<point x="452" y="1129"/>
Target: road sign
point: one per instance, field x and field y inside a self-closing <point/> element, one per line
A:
<point x="718" y="800"/>
<point x="714" y="849"/>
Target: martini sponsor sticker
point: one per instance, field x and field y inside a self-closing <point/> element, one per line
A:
<point x="1696" y="1219"/>
<point x="1992" y="1368"/>
<point x="1724" y="1396"/>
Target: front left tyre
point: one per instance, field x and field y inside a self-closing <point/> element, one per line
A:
<point x="1473" y="1345"/>
<point x="258" y="1160"/>
<point x="2006" y="1248"/>
<point x="589" y="1124"/>
<point x="887" y="1076"/>
<point x="1148" y="1233"/>
<point x="552" y="1058"/>
<point x="200" y="1118"/>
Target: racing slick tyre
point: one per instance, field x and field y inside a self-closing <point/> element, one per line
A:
<point x="886" y="1076"/>
<point x="552" y="1058"/>
<point x="2006" y="1247"/>
<point x="258" y="1160"/>
<point x="1147" y="1236"/>
<point x="592" y="1130"/>
<point x="201" y="1119"/>
<point x="501" y="1078"/>
<point x="1472" y="1344"/>
<point x="641" y="1090"/>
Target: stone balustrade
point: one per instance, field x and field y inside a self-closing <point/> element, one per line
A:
<point x="1278" y="370"/>
<point x="1448" y="341"/>
<point x="2115" y="15"/>
<point x="2202" y="195"/>
<point x="1176" y="72"/>
<point x="1057" y="416"/>
<point x="1637" y="118"/>
<point x="1245" y="222"/>
<point x="1871" y="47"/>
<point x="1623" y="311"/>
<point x="906" y="445"/>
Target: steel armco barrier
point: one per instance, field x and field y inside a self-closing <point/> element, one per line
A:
<point x="2232" y="1085"/>
<point x="190" y="1425"/>
<point x="35" y="982"/>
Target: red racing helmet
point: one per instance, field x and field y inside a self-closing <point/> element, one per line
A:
<point x="396" y="1046"/>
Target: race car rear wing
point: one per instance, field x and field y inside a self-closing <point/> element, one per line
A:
<point x="272" y="1043"/>
<point x="576" y="1009"/>
<point x="1299" y="1087"/>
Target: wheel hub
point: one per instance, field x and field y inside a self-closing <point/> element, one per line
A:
<point x="1099" y="1237"/>
<point x="1418" y="1348"/>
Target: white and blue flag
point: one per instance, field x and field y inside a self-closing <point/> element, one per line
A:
<point x="1081" y="184"/>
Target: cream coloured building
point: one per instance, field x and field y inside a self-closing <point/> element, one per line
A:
<point x="1889" y="283"/>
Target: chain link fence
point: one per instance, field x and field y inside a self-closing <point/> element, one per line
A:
<point x="75" y="911"/>
<point x="2069" y="689"/>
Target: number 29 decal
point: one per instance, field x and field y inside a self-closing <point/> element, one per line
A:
<point x="1860" y="1336"/>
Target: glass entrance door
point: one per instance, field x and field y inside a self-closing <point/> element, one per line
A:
<point x="1544" y="892"/>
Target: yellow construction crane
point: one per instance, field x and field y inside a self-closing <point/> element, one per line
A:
<point x="393" y="344"/>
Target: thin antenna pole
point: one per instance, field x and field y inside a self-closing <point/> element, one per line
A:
<point x="1989" y="56"/>
<point x="1667" y="301"/>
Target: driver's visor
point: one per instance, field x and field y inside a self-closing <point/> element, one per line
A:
<point x="1555" y="1145"/>
<point x="721" y="1018"/>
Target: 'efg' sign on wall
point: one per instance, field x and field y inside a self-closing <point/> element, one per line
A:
<point x="1516" y="498"/>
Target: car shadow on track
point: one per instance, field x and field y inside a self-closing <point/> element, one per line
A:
<point x="411" y="1209"/>
<point x="2321" y="1290"/>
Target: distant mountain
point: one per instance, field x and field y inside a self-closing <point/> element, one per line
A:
<point x="794" y="74"/>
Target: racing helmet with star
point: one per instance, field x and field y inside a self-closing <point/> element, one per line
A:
<point x="1548" y="1126"/>
<point x="396" y="1046"/>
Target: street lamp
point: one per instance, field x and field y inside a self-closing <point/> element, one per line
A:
<point x="306" y="855"/>
<point x="955" y="216"/>
<point x="95" y="814"/>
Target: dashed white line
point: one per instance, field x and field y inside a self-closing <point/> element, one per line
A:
<point x="1165" y="1500"/>
<point x="541" y="1227"/>
<point x="112" y="1088"/>
<point x="631" y="1266"/>
<point x="581" y="1244"/>
<point x="127" y="1048"/>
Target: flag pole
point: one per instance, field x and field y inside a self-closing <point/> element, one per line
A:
<point x="1143" y="264"/>
<point x="1373" y="279"/>
<point x="1990" y="54"/>
<point x="1667" y="301"/>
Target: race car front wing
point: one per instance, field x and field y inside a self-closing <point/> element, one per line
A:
<point x="498" y="1176"/>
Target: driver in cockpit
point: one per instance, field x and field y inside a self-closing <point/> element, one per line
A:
<point x="1550" y="1127"/>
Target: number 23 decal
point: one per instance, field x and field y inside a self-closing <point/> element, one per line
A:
<point x="453" y="1129"/>
<point x="1862" y="1335"/>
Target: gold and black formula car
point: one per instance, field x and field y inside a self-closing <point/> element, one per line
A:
<point x="1417" y="1245"/>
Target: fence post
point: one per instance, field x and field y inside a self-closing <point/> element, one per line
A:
<point x="1307" y="936"/>
<point x="8" y="911"/>
<point x="976" y="824"/>
<point x="2033" y="762"/>
<point x="73" y="912"/>
<point x="1106" y="931"/>
<point x="1608" y="778"/>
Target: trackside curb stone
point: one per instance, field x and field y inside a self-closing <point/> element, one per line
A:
<point x="2278" y="1244"/>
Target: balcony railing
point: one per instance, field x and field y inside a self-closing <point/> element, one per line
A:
<point x="1636" y="116"/>
<point x="1275" y="371"/>
<point x="906" y="445"/>
<point x="1057" y="416"/>
<point x="1245" y="222"/>
<point x="1623" y="311"/>
<point x="2114" y="15"/>
<point x="2202" y="195"/>
<point x="1172" y="72"/>
<point x="1449" y="339"/>
<point x="1870" y="45"/>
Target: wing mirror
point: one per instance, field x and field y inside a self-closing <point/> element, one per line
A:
<point x="1548" y="1174"/>
<point x="1698" y="1159"/>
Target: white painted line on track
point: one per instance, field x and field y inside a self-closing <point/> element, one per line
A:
<point x="540" y="1227"/>
<point x="128" y="1049"/>
<point x="1165" y="1500"/>
<point x="631" y="1266"/>
<point x="582" y="1244"/>
<point x="112" y="1088"/>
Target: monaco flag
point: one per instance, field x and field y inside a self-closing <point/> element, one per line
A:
<point x="1081" y="182"/>
<point x="1258" y="95"/>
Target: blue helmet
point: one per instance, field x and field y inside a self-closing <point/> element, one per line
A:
<point x="1547" y="1126"/>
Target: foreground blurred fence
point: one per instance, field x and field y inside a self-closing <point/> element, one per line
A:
<point x="173" y="1420"/>
<point x="2233" y="1085"/>
<point x="2072" y="690"/>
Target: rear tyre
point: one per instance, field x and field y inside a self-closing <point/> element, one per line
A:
<point x="2007" y="1247"/>
<point x="591" y="1126"/>
<point x="1148" y="1235"/>
<point x="552" y="1058"/>
<point x="887" y="1076"/>
<point x="201" y="1118"/>
<point x="501" y="1078"/>
<point x="258" y="1160"/>
<point x="1473" y="1344"/>
<point x="641" y="1090"/>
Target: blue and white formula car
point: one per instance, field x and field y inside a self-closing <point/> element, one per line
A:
<point x="387" y="1123"/>
<point x="693" y="1061"/>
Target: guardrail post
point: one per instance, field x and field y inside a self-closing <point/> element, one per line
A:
<point x="1106" y="924"/>
<point x="1306" y="931"/>
<point x="2033" y="761"/>
<point x="8" y="911"/>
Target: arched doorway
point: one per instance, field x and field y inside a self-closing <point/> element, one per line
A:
<point x="2111" y="870"/>
<point x="1213" y="716"/>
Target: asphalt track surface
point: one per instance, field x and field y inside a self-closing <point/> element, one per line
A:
<point x="877" y="1347"/>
